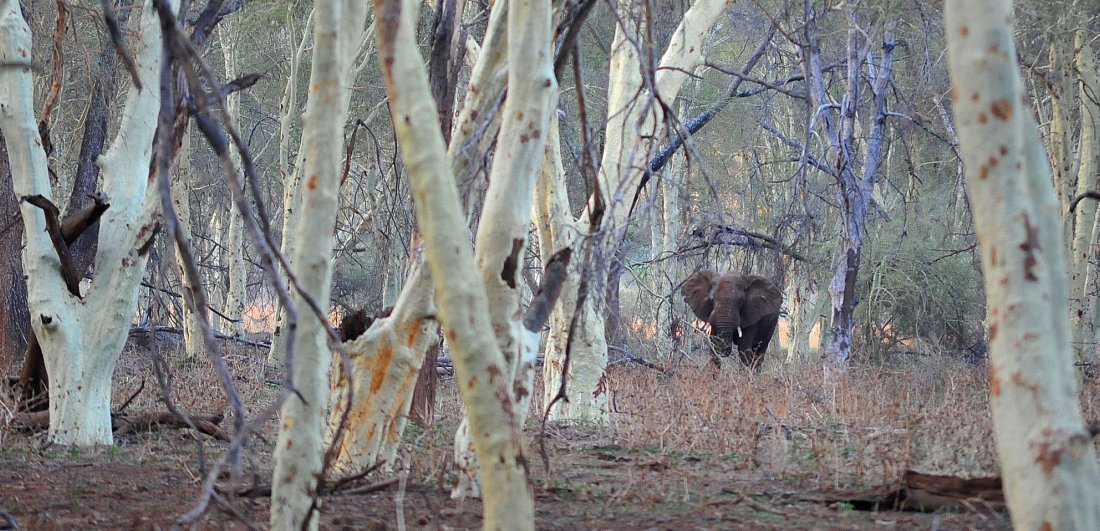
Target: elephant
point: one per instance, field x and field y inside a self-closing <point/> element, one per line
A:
<point x="742" y="310"/>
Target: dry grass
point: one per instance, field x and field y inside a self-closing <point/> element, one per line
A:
<point x="864" y="427"/>
<point x="788" y="423"/>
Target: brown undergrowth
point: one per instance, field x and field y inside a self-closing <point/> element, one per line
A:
<point x="686" y="448"/>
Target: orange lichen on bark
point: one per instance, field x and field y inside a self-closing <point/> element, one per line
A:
<point x="380" y="367"/>
<point x="1002" y="109"/>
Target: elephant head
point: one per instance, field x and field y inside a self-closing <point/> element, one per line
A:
<point x="742" y="310"/>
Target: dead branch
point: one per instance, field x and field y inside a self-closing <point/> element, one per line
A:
<point x="54" y="93"/>
<point x="9" y="520"/>
<point x="326" y="488"/>
<point x="712" y="234"/>
<point x="632" y="358"/>
<point x="136" y="330"/>
<point x="53" y="227"/>
<point x="207" y="424"/>
<point x="693" y="125"/>
<point x="1091" y="194"/>
<point x="132" y="397"/>
<point x="79" y="222"/>
<point x="129" y="424"/>
<point x="115" y="32"/>
<point x="553" y="278"/>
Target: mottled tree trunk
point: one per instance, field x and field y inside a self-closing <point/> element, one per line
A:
<point x="1049" y="468"/>
<point x="338" y="28"/>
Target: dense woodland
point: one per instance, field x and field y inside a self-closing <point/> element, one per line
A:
<point x="446" y="255"/>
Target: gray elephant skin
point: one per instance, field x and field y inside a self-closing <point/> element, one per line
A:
<point x="742" y="310"/>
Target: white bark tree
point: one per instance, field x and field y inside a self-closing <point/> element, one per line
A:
<point x="636" y="128"/>
<point x="464" y="306"/>
<point x="384" y="365"/>
<point x="235" y="299"/>
<point x="82" y="336"/>
<point x="1084" y="277"/>
<point x="506" y="215"/>
<point x="338" y="28"/>
<point x="181" y="200"/>
<point x="291" y="175"/>
<point x="1049" y="468"/>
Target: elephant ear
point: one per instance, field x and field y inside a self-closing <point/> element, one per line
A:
<point x="697" y="293"/>
<point x="762" y="297"/>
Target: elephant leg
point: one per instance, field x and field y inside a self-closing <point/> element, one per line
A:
<point x="765" y="330"/>
<point x="754" y="343"/>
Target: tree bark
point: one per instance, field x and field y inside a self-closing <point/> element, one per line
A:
<point x="464" y="310"/>
<point x="236" y="297"/>
<point x="503" y="230"/>
<point x="181" y="200"/>
<point x="80" y="338"/>
<point x="636" y="127"/>
<point x="291" y="175"/>
<point x="15" y="320"/>
<point x="338" y="28"/>
<point x="384" y="366"/>
<point x="1051" y="478"/>
<point x="1083" y="272"/>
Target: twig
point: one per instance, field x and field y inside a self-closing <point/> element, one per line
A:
<point x="10" y="522"/>
<point x="132" y="397"/>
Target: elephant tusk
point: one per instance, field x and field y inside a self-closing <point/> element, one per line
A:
<point x="739" y="334"/>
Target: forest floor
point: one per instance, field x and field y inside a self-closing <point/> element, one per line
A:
<point x="688" y="449"/>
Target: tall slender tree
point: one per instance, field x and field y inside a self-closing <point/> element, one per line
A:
<point x="1049" y="468"/>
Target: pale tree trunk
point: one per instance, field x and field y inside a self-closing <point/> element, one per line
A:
<point x="854" y="190"/>
<point x="557" y="230"/>
<point x="81" y="338"/>
<point x="502" y="232"/>
<point x="1049" y="468"/>
<point x="338" y="27"/>
<point x="635" y="126"/>
<point x="464" y="311"/>
<point x="666" y="231"/>
<point x="1082" y="299"/>
<point x="181" y="201"/>
<point x="291" y="175"/>
<point x="1063" y="102"/>
<point x="235" y="298"/>
<point x="384" y="364"/>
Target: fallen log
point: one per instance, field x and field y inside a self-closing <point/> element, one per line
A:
<point x="130" y="423"/>
<point x="920" y="492"/>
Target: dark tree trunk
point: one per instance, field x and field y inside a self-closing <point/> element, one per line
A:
<point x="422" y="410"/>
<point x="613" y="320"/>
<point x="15" y="323"/>
<point x="444" y="64"/>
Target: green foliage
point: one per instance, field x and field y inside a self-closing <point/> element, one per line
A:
<point x="920" y="293"/>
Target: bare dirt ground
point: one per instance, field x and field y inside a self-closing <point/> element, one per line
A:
<point x="686" y="450"/>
